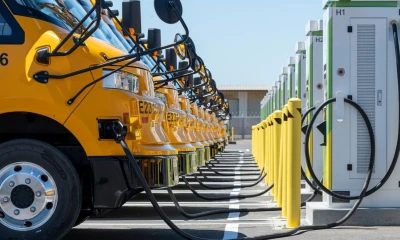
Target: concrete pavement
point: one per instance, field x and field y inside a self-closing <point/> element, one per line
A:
<point x="138" y="220"/>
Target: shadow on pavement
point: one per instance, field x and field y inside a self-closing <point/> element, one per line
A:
<point x="153" y="234"/>
<point x="148" y="213"/>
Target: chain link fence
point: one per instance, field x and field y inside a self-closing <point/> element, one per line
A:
<point x="247" y="113"/>
<point x="243" y="124"/>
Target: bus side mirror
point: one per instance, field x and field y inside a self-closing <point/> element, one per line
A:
<point x="154" y="39"/>
<point x="171" y="59"/>
<point x="167" y="10"/>
<point x="131" y="15"/>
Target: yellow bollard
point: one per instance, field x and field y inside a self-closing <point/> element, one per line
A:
<point x="271" y="163"/>
<point x="271" y="149"/>
<point x="282" y="171"/>
<point x="277" y="142"/>
<point x="262" y="143"/>
<point x="262" y="165"/>
<point x="271" y="156"/>
<point x="278" y="173"/>
<point x="268" y="148"/>
<point x="294" y="163"/>
<point x="261" y="150"/>
<point x="265" y="163"/>
<point x="233" y="134"/>
<point x="253" y="138"/>
<point x="253" y="141"/>
<point x="257" y="145"/>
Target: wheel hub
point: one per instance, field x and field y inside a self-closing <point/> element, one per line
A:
<point x="22" y="196"/>
<point x="28" y="196"/>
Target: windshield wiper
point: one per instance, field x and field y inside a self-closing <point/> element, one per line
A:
<point x="67" y="17"/>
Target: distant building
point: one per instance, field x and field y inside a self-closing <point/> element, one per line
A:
<point x="244" y="103"/>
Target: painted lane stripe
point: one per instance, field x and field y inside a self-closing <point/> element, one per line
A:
<point x="234" y="216"/>
<point x="231" y="231"/>
<point x="233" y="200"/>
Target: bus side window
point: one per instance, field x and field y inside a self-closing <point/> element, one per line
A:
<point x="10" y="31"/>
<point x="5" y="29"/>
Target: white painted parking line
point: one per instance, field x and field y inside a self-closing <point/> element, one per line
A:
<point x="237" y="184"/>
<point x="231" y="231"/>
<point x="234" y="193"/>
<point x="234" y="200"/>
<point x="234" y="216"/>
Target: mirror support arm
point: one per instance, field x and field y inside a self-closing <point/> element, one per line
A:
<point x="205" y="95"/>
<point x="175" y="71"/>
<point x="192" y="88"/>
<point x="43" y="76"/>
<point x="183" y="75"/>
<point x="97" y="8"/>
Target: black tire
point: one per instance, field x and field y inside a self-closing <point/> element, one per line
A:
<point x="83" y="216"/>
<point x="66" y="179"/>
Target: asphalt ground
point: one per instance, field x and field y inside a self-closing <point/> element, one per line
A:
<point x="138" y="220"/>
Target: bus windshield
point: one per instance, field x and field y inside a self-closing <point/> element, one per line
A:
<point x="111" y="29"/>
<point x="81" y="8"/>
<point x="70" y="12"/>
<point x="52" y="9"/>
<point x="60" y="12"/>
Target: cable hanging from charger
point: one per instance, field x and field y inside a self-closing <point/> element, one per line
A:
<point x="230" y="186"/>
<point x="300" y="228"/>
<point x="225" y="179"/>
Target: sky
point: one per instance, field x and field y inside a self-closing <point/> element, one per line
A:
<point x="240" y="41"/>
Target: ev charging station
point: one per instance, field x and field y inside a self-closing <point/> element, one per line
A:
<point x="264" y="107"/>
<point x="284" y="84"/>
<point x="301" y="63"/>
<point x="270" y="101"/>
<point x="291" y="86"/>
<point x="314" y="90"/>
<point x="300" y="89"/>
<point x="269" y="105"/>
<point x="274" y="96"/>
<point x="359" y="63"/>
<point x="278" y="94"/>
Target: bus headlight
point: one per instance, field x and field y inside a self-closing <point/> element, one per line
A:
<point x="121" y="80"/>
